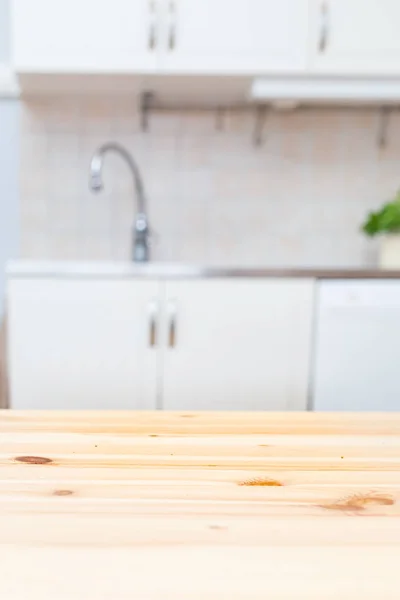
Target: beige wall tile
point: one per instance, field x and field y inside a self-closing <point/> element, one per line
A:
<point x="35" y="244"/>
<point x="65" y="245"/>
<point x="298" y="199"/>
<point x="94" y="247"/>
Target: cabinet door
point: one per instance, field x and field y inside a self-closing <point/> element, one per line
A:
<point x="356" y="36"/>
<point x="82" y="344"/>
<point x="237" y="344"/>
<point x="245" y="36"/>
<point x="357" y="346"/>
<point x="85" y="35"/>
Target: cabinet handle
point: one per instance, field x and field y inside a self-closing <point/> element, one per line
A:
<point x="153" y="314"/>
<point x="324" y="27"/>
<point x="172" y="323"/>
<point x="152" y="39"/>
<point x="172" y="27"/>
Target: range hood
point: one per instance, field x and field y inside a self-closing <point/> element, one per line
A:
<point x="330" y="90"/>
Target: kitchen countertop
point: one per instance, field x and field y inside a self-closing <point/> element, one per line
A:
<point x="187" y="506"/>
<point x="117" y="270"/>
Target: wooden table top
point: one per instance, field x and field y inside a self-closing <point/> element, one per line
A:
<point x="179" y="506"/>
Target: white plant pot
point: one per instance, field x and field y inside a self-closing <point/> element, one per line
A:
<point x="390" y="251"/>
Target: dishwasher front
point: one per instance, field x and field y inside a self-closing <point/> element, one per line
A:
<point x="357" y="346"/>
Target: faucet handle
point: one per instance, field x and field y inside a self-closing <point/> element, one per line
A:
<point x="141" y="224"/>
<point x="142" y="238"/>
<point x="142" y="227"/>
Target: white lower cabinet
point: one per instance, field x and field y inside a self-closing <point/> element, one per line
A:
<point x="211" y="344"/>
<point x="357" y="346"/>
<point x="239" y="344"/>
<point x="81" y="344"/>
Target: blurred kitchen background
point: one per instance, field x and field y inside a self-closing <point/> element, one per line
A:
<point x="264" y="133"/>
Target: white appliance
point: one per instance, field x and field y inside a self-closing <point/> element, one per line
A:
<point x="357" y="346"/>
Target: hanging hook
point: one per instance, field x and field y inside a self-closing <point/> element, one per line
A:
<point x="261" y="116"/>
<point x="384" y="117"/>
<point x="145" y="105"/>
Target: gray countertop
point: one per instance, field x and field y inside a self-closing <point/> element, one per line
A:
<point x="116" y="270"/>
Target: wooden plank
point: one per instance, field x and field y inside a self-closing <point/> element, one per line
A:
<point x="197" y="572"/>
<point x="277" y="463"/>
<point x="171" y="529"/>
<point x="203" y="423"/>
<point x="227" y="445"/>
<point x="225" y="505"/>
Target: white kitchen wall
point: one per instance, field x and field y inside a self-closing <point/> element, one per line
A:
<point x="4" y="31"/>
<point x="9" y="163"/>
<point x="214" y="198"/>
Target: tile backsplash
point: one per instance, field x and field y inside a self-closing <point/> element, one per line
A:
<point x="297" y="200"/>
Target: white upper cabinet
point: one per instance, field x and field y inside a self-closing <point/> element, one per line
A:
<point x="74" y="36"/>
<point x="234" y="37"/>
<point x="144" y="36"/>
<point x="359" y="37"/>
<point x="242" y="38"/>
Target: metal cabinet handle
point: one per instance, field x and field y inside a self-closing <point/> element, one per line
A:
<point x="324" y="27"/>
<point x="152" y="39"/>
<point x="172" y="323"/>
<point x="172" y="27"/>
<point x="153" y="314"/>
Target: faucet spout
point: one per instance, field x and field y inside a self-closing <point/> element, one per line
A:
<point x="141" y="231"/>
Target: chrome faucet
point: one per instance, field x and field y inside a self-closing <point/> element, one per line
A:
<point x="141" y="232"/>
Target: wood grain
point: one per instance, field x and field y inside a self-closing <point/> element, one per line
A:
<point x="179" y="506"/>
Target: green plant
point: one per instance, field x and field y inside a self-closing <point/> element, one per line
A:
<point x="385" y="220"/>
